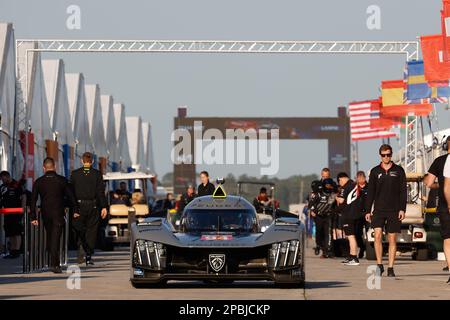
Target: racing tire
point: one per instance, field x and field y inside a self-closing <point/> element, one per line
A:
<point x="286" y="281"/>
<point x="143" y="285"/>
<point x="421" y="254"/>
<point x="370" y="251"/>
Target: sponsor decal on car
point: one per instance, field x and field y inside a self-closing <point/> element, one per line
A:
<point x="216" y="237"/>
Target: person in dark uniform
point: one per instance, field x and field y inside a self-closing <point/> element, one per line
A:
<point x="54" y="191"/>
<point x="436" y="181"/>
<point x="205" y="188"/>
<point x="186" y="198"/>
<point x="321" y="205"/>
<point x="11" y="196"/>
<point x="123" y="193"/>
<point x="348" y="198"/>
<point x="89" y="191"/>
<point x="361" y="225"/>
<point x="262" y="201"/>
<point x="169" y="202"/>
<point x="388" y="195"/>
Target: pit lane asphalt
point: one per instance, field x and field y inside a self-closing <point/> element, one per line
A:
<point x="326" y="279"/>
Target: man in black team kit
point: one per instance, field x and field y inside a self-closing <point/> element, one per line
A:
<point x="361" y="224"/>
<point x="441" y="169"/>
<point x="205" y="188"/>
<point x="89" y="191"/>
<point x="53" y="190"/>
<point x="387" y="192"/>
<point x="11" y="196"/>
<point x="321" y="205"/>
<point x="348" y="197"/>
<point x="445" y="222"/>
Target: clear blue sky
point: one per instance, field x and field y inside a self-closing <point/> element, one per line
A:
<point x="153" y="86"/>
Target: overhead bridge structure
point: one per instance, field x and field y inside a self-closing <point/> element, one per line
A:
<point x="410" y="50"/>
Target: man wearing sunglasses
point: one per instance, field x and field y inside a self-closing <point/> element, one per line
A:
<point x="387" y="193"/>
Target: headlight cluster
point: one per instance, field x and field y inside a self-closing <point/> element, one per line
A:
<point x="285" y="254"/>
<point x="149" y="254"/>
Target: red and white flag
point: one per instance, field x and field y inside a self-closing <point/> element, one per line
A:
<point x="445" y="22"/>
<point x="361" y="116"/>
<point x="435" y="67"/>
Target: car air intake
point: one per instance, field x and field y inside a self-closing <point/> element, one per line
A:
<point x="149" y="255"/>
<point x="285" y="254"/>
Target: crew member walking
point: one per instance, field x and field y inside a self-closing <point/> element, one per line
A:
<point x="387" y="192"/>
<point x="348" y="198"/>
<point x="361" y="223"/>
<point x="89" y="191"/>
<point x="11" y="196"/>
<point x="52" y="189"/>
<point x="440" y="169"/>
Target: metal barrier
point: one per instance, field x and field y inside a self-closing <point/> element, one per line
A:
<point x="35" y="257"/>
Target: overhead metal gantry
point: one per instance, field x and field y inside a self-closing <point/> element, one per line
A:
<point x="410" y="49"/>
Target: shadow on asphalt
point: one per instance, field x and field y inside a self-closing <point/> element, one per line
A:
<point x="25" y="296"/>
<point x="102" y="269"/>
<point x="26" y="279"/>
<point x="234" y="285"/>
<point x="401" y="275"/>
<point x="327" y="284"/>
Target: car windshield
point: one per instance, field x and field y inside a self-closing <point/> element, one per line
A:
<point x="231" y="220"/>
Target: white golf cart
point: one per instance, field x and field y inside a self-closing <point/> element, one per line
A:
<point x="123" y="213"/>
<point x="413" y="236"/>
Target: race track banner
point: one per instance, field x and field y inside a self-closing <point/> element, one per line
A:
<point x="27" y="148"/>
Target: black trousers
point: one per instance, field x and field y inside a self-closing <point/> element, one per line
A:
<point x="323" y="225"/>
<point x="86" y="226"/>
<point x="53" y="228"/>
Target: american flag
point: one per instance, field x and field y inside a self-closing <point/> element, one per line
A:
<point x="361" y="114"/>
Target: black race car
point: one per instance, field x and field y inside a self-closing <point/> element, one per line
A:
<point x="220" y="240"/>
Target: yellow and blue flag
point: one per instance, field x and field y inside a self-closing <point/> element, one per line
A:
<point x="419" y="90"/>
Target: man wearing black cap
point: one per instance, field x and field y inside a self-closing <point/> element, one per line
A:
<point x="351" y="213"/>
<point x="53" y="190"/>
<point x="262" y="200"/>
<point x="89" y="191"/>
<point x="322" y="208"/>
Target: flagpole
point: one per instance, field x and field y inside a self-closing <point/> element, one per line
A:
<point x="356" y="156"/>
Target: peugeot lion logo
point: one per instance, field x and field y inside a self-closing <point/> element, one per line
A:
<point x="217" y="261"/>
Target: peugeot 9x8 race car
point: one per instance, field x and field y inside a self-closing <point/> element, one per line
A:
<point x="219" y="240"/>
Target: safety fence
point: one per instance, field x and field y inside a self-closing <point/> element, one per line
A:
<point x="35" y="256"/>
